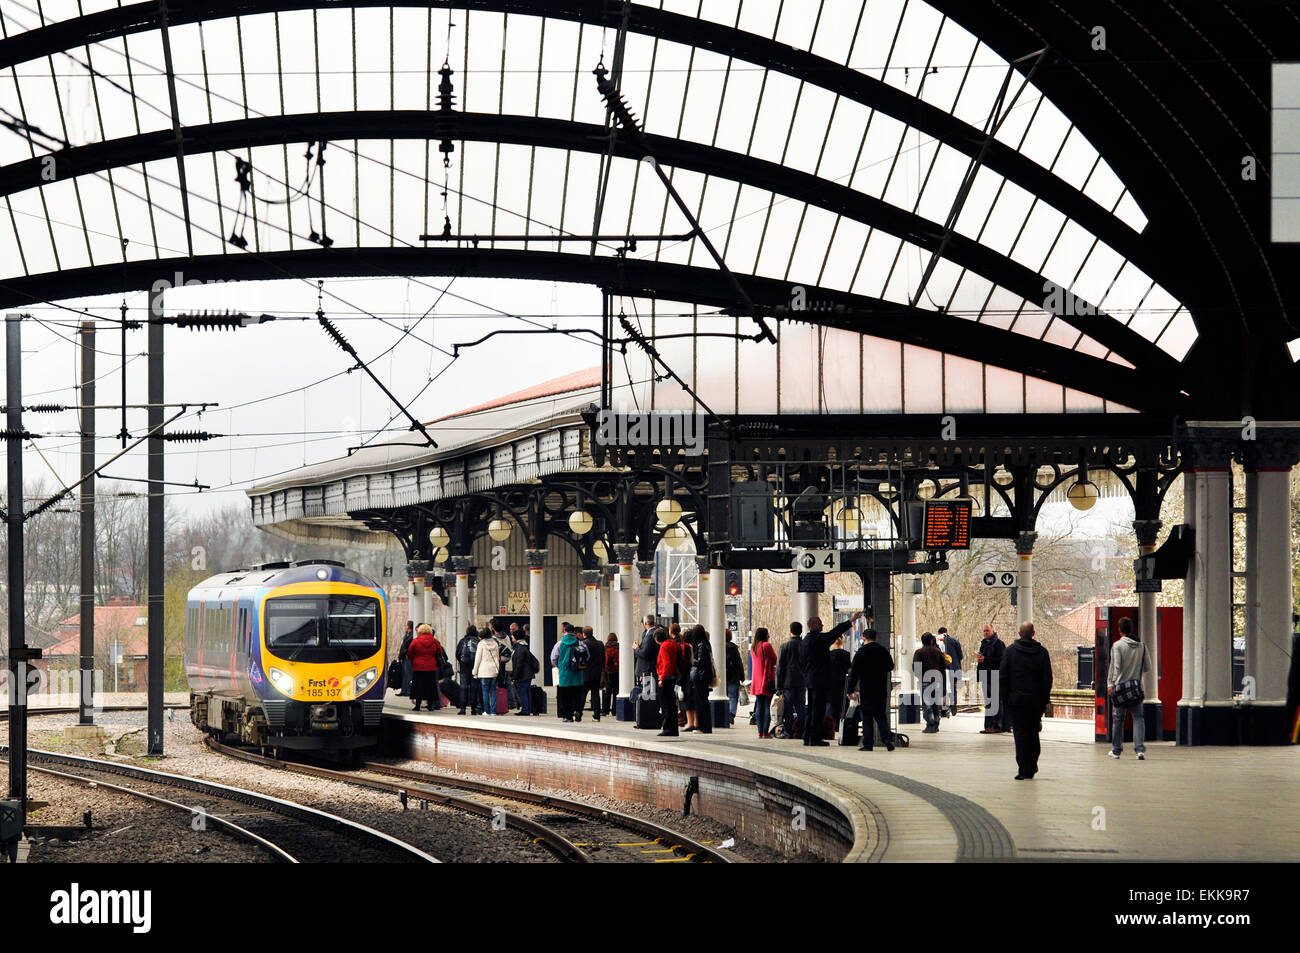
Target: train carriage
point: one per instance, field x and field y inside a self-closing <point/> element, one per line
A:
<point x="288" y="655"/>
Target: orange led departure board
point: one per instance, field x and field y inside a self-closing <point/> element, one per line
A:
<point x="947" y="524"/>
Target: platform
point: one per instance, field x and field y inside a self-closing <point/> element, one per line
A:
<point x="952" y="797"/>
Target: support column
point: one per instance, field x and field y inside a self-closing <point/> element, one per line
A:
<point x="537" y="608"/>
<point x="415" y="601"/>
<point x="157" y="524"/>
<point x="426" y="606"/>
<point x="86" y="681"/>
<point x="460" y="618"/>
<point x="1210" y="717"/>
<point x="646" y="604"/>
<point x="1268" y="589"/>
<point x="1025" y="579"/>
<point x="608" y="616"/>
<point x="909" y="698"/>
<point x="591" y="579"/>
<point x="1147" y="532"/>
<point x="713" y="618"/>
<point x="625" y="617"/>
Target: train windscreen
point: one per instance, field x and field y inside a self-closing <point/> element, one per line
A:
<point x="335" y="628"/>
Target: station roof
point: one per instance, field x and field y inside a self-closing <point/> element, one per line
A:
<point x="934" y="168"/>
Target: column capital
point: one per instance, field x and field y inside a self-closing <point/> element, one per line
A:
<point x="1208" y="447"/>
<point x="608" y="572"/>
<point x="592" y="577"/>
<point x="624" y="553"/>
<point x="1147" y="531"/>
<point x="702" y="563"/>
<point x="536" y="558"/>
<point x="1025" y="543"/>
<point x="1272" y="450"/>
<point x="416" y="568"/>
<point x="461" y="565"/>
<point x="646" y="568"/>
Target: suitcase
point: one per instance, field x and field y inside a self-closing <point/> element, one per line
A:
<point x="538" y="699"/>
<point x="648" y="714"/>
<point x="849" y="728"/>
<point x="395" y="674"/>
<point x="503" y="701"/>
<point x="450" y="692"/>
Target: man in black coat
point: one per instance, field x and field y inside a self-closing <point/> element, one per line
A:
<point x="869" y="683"/>
<point x="789" y="681"/>
<point x="815" y="659"/>
<point x="1025" y="679"/>
<point x="401" y="657"/>
<point x="591" y="677"/>
<point x="930" y="667"/>
<point x="950" y="647"/>
<point x="647" y="651"/>
<point x="987" y="664"/>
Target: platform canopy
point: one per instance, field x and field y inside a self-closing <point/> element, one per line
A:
<point x="987" y="195"/>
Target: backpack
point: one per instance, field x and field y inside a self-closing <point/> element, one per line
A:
<point x="467" y="652"/>
<point x="579" y="656"/>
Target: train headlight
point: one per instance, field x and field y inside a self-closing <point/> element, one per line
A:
<point x="281" y="681"/>
<point x="366" y="679"/>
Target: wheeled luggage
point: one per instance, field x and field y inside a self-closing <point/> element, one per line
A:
<point x="538" y="699"/>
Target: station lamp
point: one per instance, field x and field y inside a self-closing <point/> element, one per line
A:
<point x="675" y="536"/>
<point x="439" y="537"/>
<point x="440" y="557"/>
<point x="499" y="530"/>
<point x="580" y="522"/>
<point x="599" y="551"/>
<point x="1083" y="493"/>
<point x="850" y="520"/>
<point x="669" y="511"/>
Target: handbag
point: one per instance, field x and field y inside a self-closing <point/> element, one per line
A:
<point x="395" y="673"/>
<point x="444" y="666"/>
<point x="1129" y="692"/>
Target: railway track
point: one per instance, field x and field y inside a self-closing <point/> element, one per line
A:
<point x="288" y="831"/>
<point x="73" y="710"/>
<point x="576" y="832"/>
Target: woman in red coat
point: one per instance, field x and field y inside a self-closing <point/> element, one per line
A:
<point x="762" y="663"/>
<point x="609" y="677"/>
<point x="424" y="653"/>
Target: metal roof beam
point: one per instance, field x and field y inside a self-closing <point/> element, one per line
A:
<point x="585" y="137"/>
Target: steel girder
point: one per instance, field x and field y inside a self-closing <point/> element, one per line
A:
<point x="685" y="283"/>
<point x="723" y="40"/>
<point x="585" y="137"/>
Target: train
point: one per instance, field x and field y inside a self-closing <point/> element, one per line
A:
<point x="288" y="655"/>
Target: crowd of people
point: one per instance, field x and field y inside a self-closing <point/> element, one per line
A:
<point x="810" y="690"/>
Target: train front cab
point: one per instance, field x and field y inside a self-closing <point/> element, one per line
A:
<point x="320" y="666"/>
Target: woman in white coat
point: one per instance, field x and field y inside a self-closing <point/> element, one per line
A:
<point x="487" y="663"/>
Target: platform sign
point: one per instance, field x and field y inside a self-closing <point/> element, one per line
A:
<point x="1000" y="580"/>
<point x="817" y="560"/>
<point x="947" y="524"/>
<point x="812" y="582"/>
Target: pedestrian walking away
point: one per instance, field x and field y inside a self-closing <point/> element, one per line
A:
<point x="1128" y="660"/>
<point x="869" y="685"/>
<point x="1025" y="679"/>
<point x="931" y="669"/>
